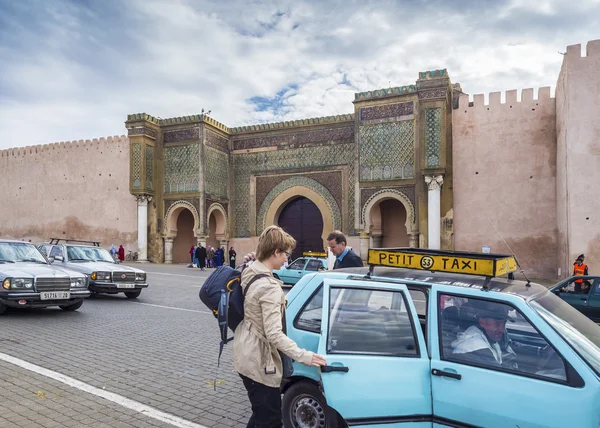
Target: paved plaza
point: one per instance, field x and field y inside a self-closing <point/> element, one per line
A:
<point x="116" y="362"/>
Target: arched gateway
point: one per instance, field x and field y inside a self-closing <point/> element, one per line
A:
<point x="181" y="226"/>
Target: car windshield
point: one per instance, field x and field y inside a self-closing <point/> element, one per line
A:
<point x="20" y="252"/>
<point x="581" y="333"/>
<point x="94" y="254"/>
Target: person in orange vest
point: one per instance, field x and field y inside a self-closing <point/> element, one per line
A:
<point x="579" y="269"/>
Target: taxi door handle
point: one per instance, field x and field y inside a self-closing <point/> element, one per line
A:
<point x="329" y="369"/>
<point x="437" y="372"/>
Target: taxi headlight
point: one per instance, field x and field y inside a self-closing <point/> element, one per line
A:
<point x="21" y="283"/>
<point x="6" y="284"/>
<point x="77" y="282"/>
<point x="140" y="276"/>
<point x="93" y="276"/>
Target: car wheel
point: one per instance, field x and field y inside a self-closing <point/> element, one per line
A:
<point x="72" y="307"/>
<point x="305" y="407"/>
<point x="133" y="294"/>
<point x="3" y="308"/>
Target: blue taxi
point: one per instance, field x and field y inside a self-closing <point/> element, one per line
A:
<point x="426" y="338"/>
<point x="310" y="262"/>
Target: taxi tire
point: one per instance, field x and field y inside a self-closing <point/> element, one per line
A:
<point x="3" y="308"/>
<point x="310" y="391"/>
<point x="133" y="294"/>
<point x="72" y="307"/>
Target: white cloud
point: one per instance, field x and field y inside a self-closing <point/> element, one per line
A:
<point x="74" y="72"/>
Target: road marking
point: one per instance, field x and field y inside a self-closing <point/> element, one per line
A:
<point x="173" y="274"/>
<point x="145" y="410"/>
<point x="173" y="307"/>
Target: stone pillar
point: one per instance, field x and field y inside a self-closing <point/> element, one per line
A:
<point x="168" y="250"/>
<point x="364" y="245"/>
<point x="377" y="240"/>
<point x="413" y="239"/>
<point x="142" y="201"/>
<point x="434" y="185"/>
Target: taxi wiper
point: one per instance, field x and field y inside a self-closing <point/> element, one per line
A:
<point x="80" y="260"/>
<point x="6" y="261"/>
<point x="32" y="260"/>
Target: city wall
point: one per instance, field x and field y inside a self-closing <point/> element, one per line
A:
<point x="77" y="190"/>
<point x="505" y="177"/>
<point x="578" y="134"/>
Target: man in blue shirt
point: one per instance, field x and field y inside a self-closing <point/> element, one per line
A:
<point x="345" y="257"/>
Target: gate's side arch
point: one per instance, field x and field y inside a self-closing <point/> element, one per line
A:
<point x="170" y="228"/>
<point x="411" y="225"/>
<point x="222" y="221"/>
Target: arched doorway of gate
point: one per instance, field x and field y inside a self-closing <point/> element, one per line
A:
<point x="184" y="239"/>
<point x="302" y="219"/>
<point x="217" y="228"/>
<point x="388" y="224"/>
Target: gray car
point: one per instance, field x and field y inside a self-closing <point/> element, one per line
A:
<point x="29" y="281"/>
<point x="105" y="275"/>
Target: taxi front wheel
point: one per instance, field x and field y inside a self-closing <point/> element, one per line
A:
<point x="304" y="406"/>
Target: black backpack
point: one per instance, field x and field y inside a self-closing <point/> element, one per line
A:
<point x="222" y="294"/>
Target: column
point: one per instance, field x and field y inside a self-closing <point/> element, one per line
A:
<point x="142" y="201"/>
<point x="434" y="185"/>
<point x="168" y="250"/>
<point x="364" y="245"/>
<point x="413" y="239"/>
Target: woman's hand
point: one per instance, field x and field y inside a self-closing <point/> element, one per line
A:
<point x="318" y="360"/>
<point x="249" y="257"/>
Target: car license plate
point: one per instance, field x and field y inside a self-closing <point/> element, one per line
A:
<point x="126" y="285"/>
<point x="55" y="295"/>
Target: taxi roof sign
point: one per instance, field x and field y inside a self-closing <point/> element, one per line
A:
<point x="314" y="254"/>
<point x="480" y="264"/>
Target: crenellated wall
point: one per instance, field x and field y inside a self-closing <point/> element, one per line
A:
<point x="505" y="177"/>
<point x="76" y="190"/>
<point x="578" y="135"/>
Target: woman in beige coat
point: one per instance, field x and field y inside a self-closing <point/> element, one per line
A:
<point x="260" y="335"/>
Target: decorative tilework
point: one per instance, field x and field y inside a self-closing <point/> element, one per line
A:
<point x="307" y="137"/>
<point x="331" y="180"/>
<point x="149" y="155"/>
<point x="181" y="135"/>
<point x="387" y="110"/>
<point x="247" y="164"/>
<point x="217" y="172"/>
<point x="182" y="168"/>
<point x="426" y="94"/>
<point x="433" y="133"/>
<point x="216" y="141"/>
<point x="195" y="202"/>
<point x="387" y="151"/>
<point x="136" y="164"/>
<point x="293" y="123"/>
<point x="433" y="73"/>
<point x="299" y="181"/>
<point x="367" y="192"/>
<point x="381" y="93"/>
<point x="385" y="192"/>
<point x="142" y="130"/>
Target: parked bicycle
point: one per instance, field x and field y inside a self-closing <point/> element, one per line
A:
<point x="131" y="256"/>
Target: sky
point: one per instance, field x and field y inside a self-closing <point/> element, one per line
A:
<point x="74" y="69"/>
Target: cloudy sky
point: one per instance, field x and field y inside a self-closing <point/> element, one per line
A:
<point x="74" y="69"/>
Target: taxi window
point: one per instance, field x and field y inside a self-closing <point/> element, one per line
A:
<point x="309" y="318"/>
<point x="373" y="322"/>
<point x="56" y="251"/>
<point x="314" y="265"/>
<point x="298" y="264"/>
<point x="497" y="336"/>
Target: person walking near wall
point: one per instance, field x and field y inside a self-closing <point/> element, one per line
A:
<point x="232" y="256"/>
<point x="345" y="257"/>
<point x="121" y="253"/>
<point x="113" y="251"/>
<point x="259" y="338"/>
<point x="579" y="269"/>
<point x="201" y="256"/>
<point x="192" y="251"/>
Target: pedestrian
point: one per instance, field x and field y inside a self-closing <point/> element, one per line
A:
<point x="579" y="269"/>
<point x="211" y="256"/>
<point x="121" y="253"/>
<point x="192" y="251"/>
<point x="345" y="257"/>
<point x="232" y="256"/>
<point x="201" y="256"/>
<point x="220" y="253"/>
<point x="113" y="251"/>
<point x="260" y="337"/>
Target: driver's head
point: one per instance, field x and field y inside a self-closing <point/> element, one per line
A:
<point x="492" y="318"/>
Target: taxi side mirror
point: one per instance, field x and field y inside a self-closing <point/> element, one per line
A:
<point x="57" y="258"/>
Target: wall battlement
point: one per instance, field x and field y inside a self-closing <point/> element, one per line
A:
<point x="31" y="150"/>
<point x="592" y="50"/>
<point x="293" y="123"/>
<point x="495" y="98"/>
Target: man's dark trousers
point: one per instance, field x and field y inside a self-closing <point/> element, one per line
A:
<point x="266" y="404"/>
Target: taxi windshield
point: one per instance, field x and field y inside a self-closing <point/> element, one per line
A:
<point x="578" y="330"/>
<point x="11" y="252"/>
<point x="95" y="254"/>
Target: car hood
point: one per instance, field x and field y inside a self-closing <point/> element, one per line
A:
<point x="89" y="267"/>
<point x="32" y="270"/>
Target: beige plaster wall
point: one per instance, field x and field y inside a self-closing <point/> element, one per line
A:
<point x="505" y="177"/>
<point x="78" y="190"/>
<point x="578" y="130"/>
